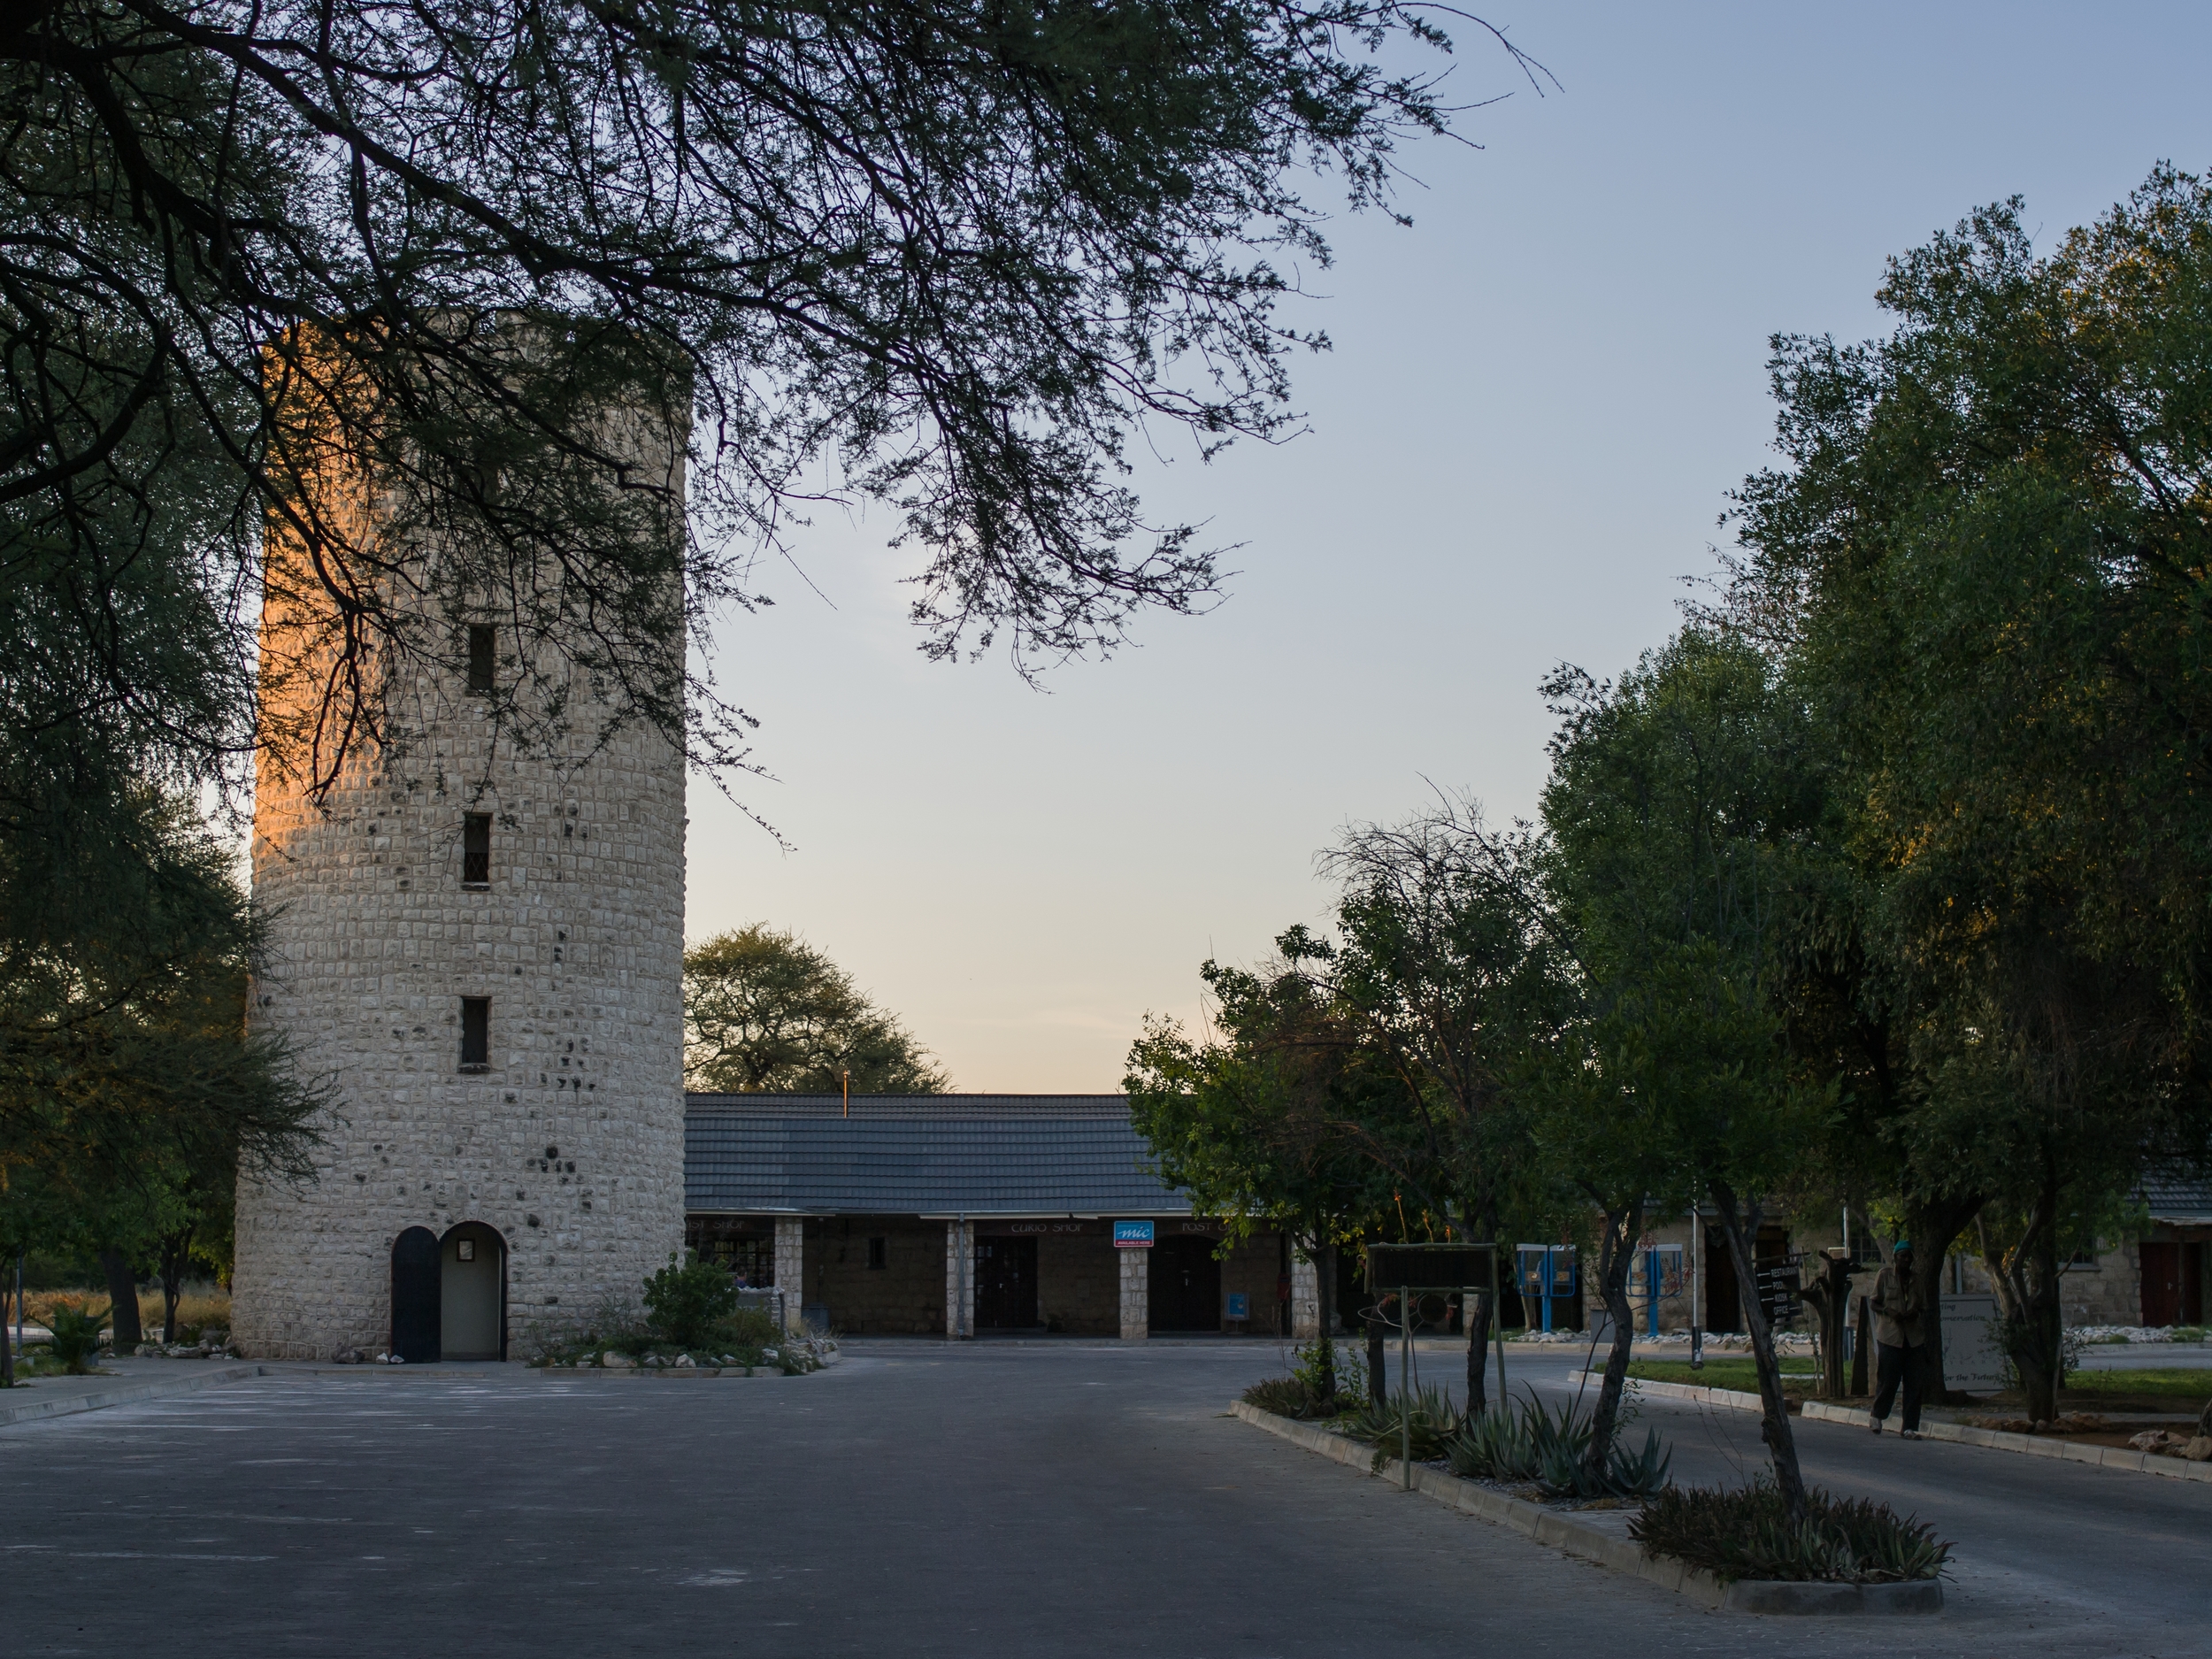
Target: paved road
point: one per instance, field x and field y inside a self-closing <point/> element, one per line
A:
<point x="1021" y="1499"/>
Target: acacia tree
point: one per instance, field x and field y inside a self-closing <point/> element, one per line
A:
<point x="765" y="1012"/>
<point x="940" y="255"/>
<point x="1676" y="800"/>
<point x="1253" y="1123"/>
<point x="1444" y="972"/>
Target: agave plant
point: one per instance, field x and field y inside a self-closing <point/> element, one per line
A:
<point x="1430" y="1422"/>
<point x="1530" y="1441"/>
<point x="1744" y="1533"/>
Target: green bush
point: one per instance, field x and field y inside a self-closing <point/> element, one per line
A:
<point x="1742" y="1532"/>
<point x="76" y="1336"/>
<point x="1529" y="1443"/>
<point x="685" y="1302"/>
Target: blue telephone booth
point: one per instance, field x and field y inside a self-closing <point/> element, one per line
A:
<point x="1546" y="1276"/>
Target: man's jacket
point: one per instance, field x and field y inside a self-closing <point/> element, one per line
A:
<point x="1897" y="1310"/>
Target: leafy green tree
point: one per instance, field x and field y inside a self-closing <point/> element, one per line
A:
<point x="1987" y="561"/>
<point x="1677" y="801"/>
<point x="1444" y="972"/>
<point x="1255" y="1122"/>
<point x="767" y="1012"/>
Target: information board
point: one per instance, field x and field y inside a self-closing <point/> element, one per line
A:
<point x="1429" y="1266"/>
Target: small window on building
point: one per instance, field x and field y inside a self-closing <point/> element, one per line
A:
<point x="2084" y="1256"/>
<point x="476" y="849"/>
<point x="476" y="1034"/>
<point x="480" y="645"/>
<point x="878" y="1252"/>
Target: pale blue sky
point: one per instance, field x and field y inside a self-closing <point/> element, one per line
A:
<point x="1539" y="396"/>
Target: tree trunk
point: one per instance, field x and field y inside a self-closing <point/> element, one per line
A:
<point x="176" y="1253"/>
<point x="1475" y="1307"/>
<point x="1861" y="1350"/>
<point x="123" y="1301"/>
<point x="1830" y="1297"/>
<point x="2025" y="1279"/>
<point x="1741" y="1228"/>
<point x="1617" y="1252"/>
<point x="1934" y="1227"/>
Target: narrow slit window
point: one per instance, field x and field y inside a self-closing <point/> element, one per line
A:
<point x="481" y="643"/>
<point x="878" y="1252"/>
<point x="476" y="1034"/>
<point x="476" y="849"/>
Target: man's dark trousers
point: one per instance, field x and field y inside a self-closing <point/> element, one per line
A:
<point x="1899" y="1365"/>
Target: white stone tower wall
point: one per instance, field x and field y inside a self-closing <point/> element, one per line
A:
<point x="571" y="1142"/>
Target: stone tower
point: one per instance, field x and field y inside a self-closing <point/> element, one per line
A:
<point x="479" y="939"/>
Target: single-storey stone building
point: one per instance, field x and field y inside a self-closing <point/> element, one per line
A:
<point x="967" y="1214"/>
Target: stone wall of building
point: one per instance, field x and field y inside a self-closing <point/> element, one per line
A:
<point x="905" y="1296"/>
<point x="1079" y="1283"/>
<point x="568" y="1139"/>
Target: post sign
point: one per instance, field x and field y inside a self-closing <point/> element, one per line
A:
<point x="1970" y="1360"/>
<point x="1429" y="1266"/>
<point x="1133" y="1235"/>
<point x="1239" y="1305"/>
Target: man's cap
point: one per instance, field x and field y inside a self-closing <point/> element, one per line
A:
<point x="1903" y="1247"/>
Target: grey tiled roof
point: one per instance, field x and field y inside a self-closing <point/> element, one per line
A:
<point x="2175" y="1194"/>
<point x="928" y="1155"/>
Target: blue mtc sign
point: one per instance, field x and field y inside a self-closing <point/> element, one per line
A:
<point x="1133" y="1235"/>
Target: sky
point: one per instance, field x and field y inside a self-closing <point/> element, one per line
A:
<point x="1539" y="396"/>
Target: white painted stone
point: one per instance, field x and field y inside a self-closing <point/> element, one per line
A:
<point x="959" y="1279"/>
<point x="1305" y="1298"/>
<point x="791" y="1271"/>
<point x="1136" y="1294"/>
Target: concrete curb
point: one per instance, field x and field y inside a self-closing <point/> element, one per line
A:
<point x="2034" y="1445"/>
<point x="1729" y="1399"/>
<point x="1571" y="1537"/>
<point x="123" y="1394"/>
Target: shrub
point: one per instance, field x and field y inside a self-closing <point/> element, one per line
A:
<point x="76" y="1336"/>
<point x="685" y="1302"/>
<point x="1743" y="1532"/>
<point x="1530" y="1442"/>
<point x="1300" y="1394"/>
<point x="1284" y="1396"/>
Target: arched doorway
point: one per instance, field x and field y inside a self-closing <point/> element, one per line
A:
<point x="415" y="1296"/>
<point x="472" y="1293"/>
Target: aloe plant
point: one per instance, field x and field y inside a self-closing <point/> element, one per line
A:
<point x="76" y="1336"/>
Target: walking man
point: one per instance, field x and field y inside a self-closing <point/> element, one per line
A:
<point x="1899" y="1342"/>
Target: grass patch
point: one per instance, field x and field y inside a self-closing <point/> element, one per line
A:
<point x="1736" y="1372"/>
<point x="1742" y="1532"/>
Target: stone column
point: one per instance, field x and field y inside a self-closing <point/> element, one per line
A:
<point x="1136" y="1294"/>
<point x="1305" y="1298"/>
<point x="791" y="1271"/>
<point x="959" y="1279"/>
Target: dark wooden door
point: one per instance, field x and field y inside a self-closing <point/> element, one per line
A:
<point x="1185" y="1285"/>
<point x="417" y="1303"/>
<point x="1005" y="1283"/>
<point x="2162" y="1284"/>
<point x="1724" y="1307"/>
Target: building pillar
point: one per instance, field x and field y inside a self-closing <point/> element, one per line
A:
<point x="791" y="1271"/>
<point x="1136" y="1294"/>
<point x="959" y="1279"/>
<point x="1305" y="1298"/>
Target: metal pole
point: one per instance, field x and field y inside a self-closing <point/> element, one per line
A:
<point x="960" y="1280"/>
<point x="1405" y="1384"/>
<point x="1697" y="1289"/>
<point x="1497" y="1320"/>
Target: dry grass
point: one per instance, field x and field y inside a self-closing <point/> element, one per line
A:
<point x="201" y="1307"/>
